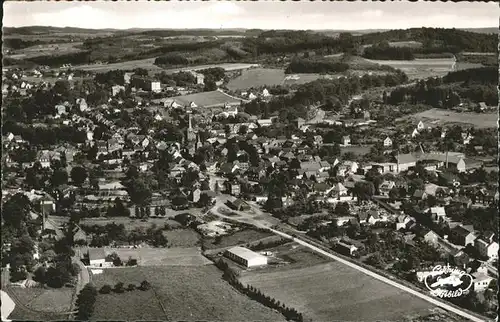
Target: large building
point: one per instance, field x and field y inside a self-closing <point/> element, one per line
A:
<point x="246" y="257"/>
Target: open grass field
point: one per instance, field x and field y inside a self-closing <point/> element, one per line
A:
<point x="46" y="50"/>
<point x="422" y="68"/>
<point x="127" y="65"/>
<point x="186" y="293"/>
<point x="46" y="300"/>
<point x="205" y="99"/>
<point x="336" y="292"/>
<point x="480" y="120"/>
<point x="182" y="238"/>
<point x="147" y="256"/>
<point x="268" y="76"/>
<point x="238" y="238"/>
<point x="357" y="150"/>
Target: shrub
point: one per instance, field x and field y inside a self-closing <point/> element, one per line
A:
<point x="106" y="289"/>
<point x="145" y="286"/>
<point x="85" y="302"/>
<point x="119" y="288"/>
<point x="131" y="287"/>
<point x="131" y="262"/>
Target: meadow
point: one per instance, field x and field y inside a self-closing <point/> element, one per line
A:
<point x="480" y="120"/>
<point x="177" y="293"/>
<point x="258" y="77"/>
<point x="336" y="292"/>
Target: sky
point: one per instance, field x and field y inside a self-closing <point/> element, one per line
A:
<point x="262" y="14"/>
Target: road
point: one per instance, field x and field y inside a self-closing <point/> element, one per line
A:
<point x="83" y="279"/>
<point x="260" y="220"/>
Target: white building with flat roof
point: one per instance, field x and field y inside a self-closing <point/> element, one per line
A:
<point x="246" y="257"/>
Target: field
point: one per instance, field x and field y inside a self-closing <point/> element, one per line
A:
<point x="267" y="76"/>
<point x="336" y="292"/>
<point x="178" y="293"/>
<point x="205" y="99"/>
<point x="127" y="65"/>
<point x="147" y="256"/>
<point x="357" y="150"/>
<point x="226" y="66"/>
<point x="46" y="50"/>
<point x="422" y="68"/>
<point x="486" y="120"/>
<point x="182" y="238"/>
<point x="238" y="238"/>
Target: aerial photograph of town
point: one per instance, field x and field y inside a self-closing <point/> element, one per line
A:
<point x="249" y="161"/>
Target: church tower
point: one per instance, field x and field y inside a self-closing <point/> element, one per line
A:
<point x="190" y="133"/>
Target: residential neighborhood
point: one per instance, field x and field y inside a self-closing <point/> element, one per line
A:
<point x="122" y="180"/>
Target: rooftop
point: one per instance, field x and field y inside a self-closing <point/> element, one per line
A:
<point x="244" y="253"/>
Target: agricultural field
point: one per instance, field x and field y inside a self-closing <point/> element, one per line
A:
<point x="268" y="76"/>
<point x="148" y="256"/>
<point x="127" y="65"/>
<point x="423" y="68"/>
<point x="182" y="238"/>
<point x="46" y="49"/>
<point x="178" y="293"/>
<point x="480" y="120"/>
<point x="336" y="292"/>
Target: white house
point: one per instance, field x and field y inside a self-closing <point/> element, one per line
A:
<point x="265" y="93"/>
<point x="438" y="214"/>
<point x="420" y="126"/>
<point x="97" y="258"/>
<point x="387" y="142"/>
<point x="246" y="257"/>
<point x="346" y="141"/>
<point x="155" y="86"/>
<point x="481" y="281"/>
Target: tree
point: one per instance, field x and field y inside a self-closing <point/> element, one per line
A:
<point x="131" y="287"/>
<point x="40" y="275"/>
<point x="78" y="175"/>
<point x="210" y="86"/>
<point x="139" y="191"/>
<point x="85" y="302"/>
<point x="106" y="289"/>
<point x="59" y="177"/>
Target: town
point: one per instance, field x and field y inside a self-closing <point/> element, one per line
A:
<point x="121" y="184"/>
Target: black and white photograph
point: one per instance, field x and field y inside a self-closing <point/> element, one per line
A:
<point x="232" y="161"/>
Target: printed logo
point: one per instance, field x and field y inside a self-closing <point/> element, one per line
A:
<point x="448" y="282"/>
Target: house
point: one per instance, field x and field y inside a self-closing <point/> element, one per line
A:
<point x="420" y="126"/>
<point x="385" y="187"/>
<point x="402" y="222"/>
<point x="346" y="141"/>
<point x="233" y="188"/>
<point x="60" y="110"/>
<point x="239" y="205"/>
<point x="459" y="258"/>
<point x="462" y="236"/>
<point x="265" y="93"/>
<point x="437" y="214"/>
<point x="430" y="237"/>
<point x="481" y="281"/>
<point x="419" y="195"/>
<point x="487" y="248"/>
<point x="117" y="89"/>
<point x="373" y="217"/>
<point x="97" y="257"/>
<point x="45" y="157"/>
<point x="387" y="142"/>
<point x="346" y="248"/>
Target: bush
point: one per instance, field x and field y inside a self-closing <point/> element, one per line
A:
<point x="132" y="262"/>
<point x="106" y="289"/>
<point x="40" y="275"/>
<point x="131" y="287"/>
<point x="85" y="302"/>
<point x="119" y="288"/>
<point x="145" y="286"/>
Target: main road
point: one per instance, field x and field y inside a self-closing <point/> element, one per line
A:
<point x="259" y="220"/>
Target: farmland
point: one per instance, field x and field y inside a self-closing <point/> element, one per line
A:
<point x="46" y="49"/>
<point x="127" y="65"/>
<point x="422" y="68"/>
<point x="182" y="238"/>
<point x="147" y="256"/>
<point x="339" y="293"/>
<point x="486" y="120"/>
<point x="267" y="76"/>
<point x="185" y="293"/>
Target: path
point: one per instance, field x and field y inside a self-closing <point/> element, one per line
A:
<point x="83" y="279"/>
<point x="261" y="223"/>
<point x="8" y="306"/>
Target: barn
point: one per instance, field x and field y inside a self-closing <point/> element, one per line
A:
<point x="246" y="257"/>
